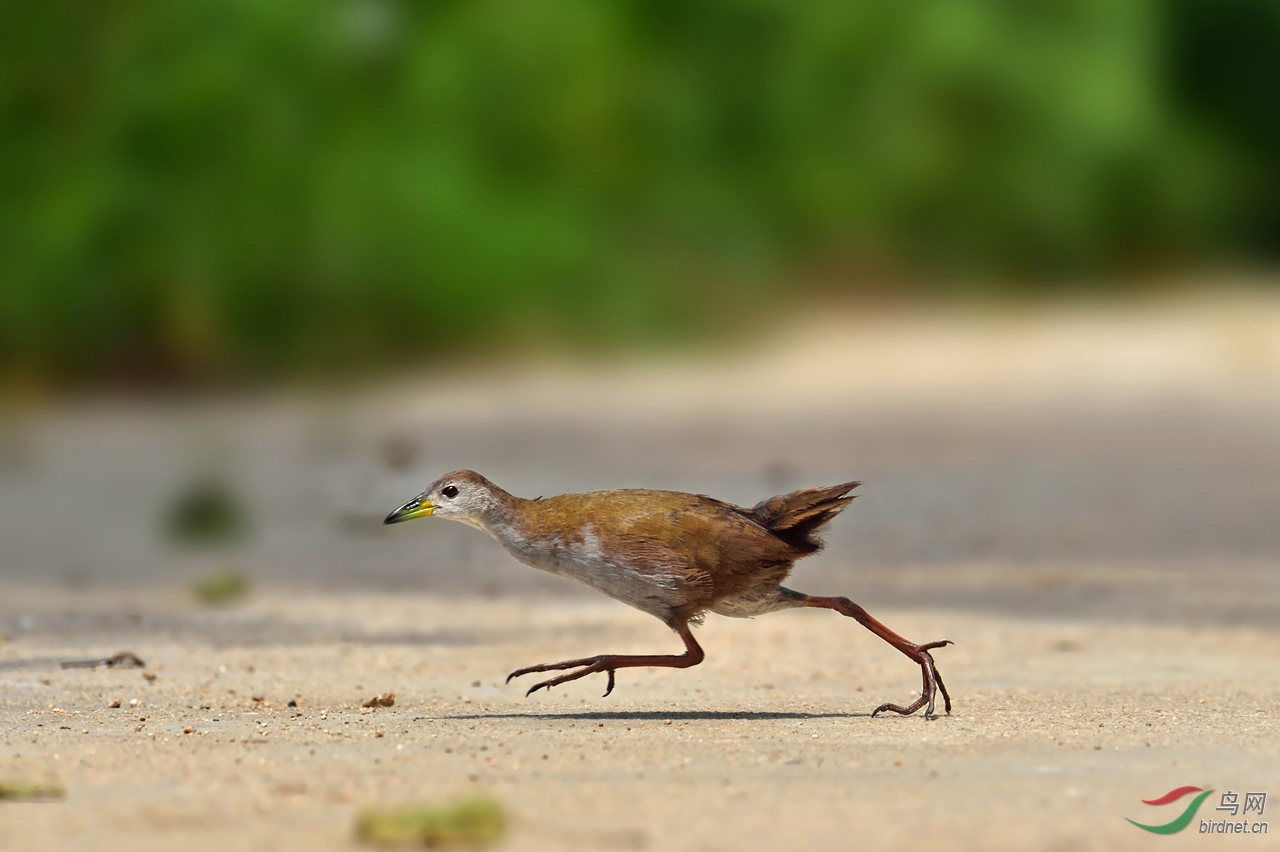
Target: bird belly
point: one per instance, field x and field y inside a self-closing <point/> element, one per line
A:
<point x="757" y="602"/>
<point x="653" y="589"/>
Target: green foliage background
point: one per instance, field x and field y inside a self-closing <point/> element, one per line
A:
<point x="208" y="188"/>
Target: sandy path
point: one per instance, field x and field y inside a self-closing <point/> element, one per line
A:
<point x="1059" y="729"/>
<point x="1085" y="502"/>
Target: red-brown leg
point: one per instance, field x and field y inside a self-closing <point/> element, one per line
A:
<point x="610" y="662"/>
<point x="932" y="681"/>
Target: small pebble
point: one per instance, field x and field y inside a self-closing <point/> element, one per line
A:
<point x="114" y="703"/>
<point x="188" y="730"/>
<point x="133" y="702"/>
<point x="293" y="703"/>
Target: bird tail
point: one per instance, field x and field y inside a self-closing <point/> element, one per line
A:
<point x="797" y="517"/>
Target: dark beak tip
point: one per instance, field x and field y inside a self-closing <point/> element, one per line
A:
<point x="391" y="519"/>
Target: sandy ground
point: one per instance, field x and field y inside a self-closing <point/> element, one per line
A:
<point x="1058" y="730"/>
<point x="1084" y="502"/>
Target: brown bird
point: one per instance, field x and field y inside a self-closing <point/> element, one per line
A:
<point x="673" y="555"/>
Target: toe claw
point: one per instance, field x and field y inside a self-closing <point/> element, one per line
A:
<point x="522" y="672"/>
<point x="932" y="686"/>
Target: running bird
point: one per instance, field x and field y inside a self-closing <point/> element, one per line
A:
<point x="673" y="555"/>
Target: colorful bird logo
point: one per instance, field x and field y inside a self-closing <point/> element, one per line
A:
<point x="1184" y="818"/>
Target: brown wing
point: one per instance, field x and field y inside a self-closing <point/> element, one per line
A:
<point x="723" y="550"/>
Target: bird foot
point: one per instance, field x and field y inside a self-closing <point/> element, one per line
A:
<point x="589" y="665"/>
<point x="932" y="684"/>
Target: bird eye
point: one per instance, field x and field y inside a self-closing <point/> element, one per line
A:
<point x="449" y="491"/>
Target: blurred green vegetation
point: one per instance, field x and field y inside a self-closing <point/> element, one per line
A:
<point x="207" y="512"/>
<point x="473" y="823"/>
<point x="221" y="588"/>
<point x="210" y="188"/>
<point x="29" y="790"/>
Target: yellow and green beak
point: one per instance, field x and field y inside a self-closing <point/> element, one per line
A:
<point x="415" y="508"/>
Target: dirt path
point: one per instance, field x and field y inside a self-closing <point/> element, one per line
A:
<point x="1059" y="729"/>
<point x="1085" y="503"/>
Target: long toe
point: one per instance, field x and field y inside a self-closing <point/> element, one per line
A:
<point x="568" y="676"/>
<point x="899" y="709"/>
<point x="554" y="667"/>
<point x="546" y="684"/>
<point x="520" y="673"/>
<point x="931" y="685"/>
<point x="933" y="680"/>
<point x="542" y="667"/>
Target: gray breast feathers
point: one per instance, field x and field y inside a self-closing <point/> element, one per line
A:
<point x="639" y="571"/>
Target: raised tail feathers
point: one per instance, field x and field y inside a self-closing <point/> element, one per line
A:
<point x="796" y="517"/>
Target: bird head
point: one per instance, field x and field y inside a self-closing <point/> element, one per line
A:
<point x="463" y="496"/>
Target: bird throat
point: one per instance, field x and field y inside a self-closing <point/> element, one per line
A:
<point x="474" y="522"/>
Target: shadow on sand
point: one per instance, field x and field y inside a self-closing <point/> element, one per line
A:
<point x="664" y="715"/>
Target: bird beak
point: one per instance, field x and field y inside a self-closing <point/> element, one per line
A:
<point x="415" y="508"/>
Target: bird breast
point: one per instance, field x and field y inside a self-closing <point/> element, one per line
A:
<point x="637" y="572"/>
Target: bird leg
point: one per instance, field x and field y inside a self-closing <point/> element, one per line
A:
<point x="932" y="681"/>
<point x="610" y="662"/>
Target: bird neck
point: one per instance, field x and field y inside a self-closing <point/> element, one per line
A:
<point x="510" y="523"/>
<point x="502" y="520"/>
